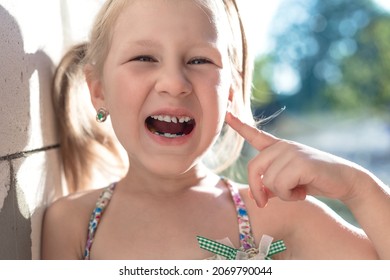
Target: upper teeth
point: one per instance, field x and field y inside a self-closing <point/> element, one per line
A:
<point x="166" y="118"/>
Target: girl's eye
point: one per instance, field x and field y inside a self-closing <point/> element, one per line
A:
<point x="199" y="61"/>
<point x="144" y="58"/>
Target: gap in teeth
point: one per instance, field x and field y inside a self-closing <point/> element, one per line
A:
<point x="166" y="118"/>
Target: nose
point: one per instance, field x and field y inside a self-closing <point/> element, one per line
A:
<point x="173" y="80"/>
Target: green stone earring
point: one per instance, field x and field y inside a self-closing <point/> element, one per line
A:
<point x="101" y="115"/>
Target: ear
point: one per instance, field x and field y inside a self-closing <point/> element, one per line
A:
<point x="95" y="87"/>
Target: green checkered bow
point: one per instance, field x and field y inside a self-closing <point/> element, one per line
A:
<point x="217" y="248"/>
<point x="274" y="248"/>
<point x="230" y="253"/>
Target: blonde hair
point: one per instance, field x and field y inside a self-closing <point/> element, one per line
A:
<point x="227" y="148"/>
<point x="85" y="144"/>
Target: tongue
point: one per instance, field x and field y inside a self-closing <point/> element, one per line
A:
<point x="165" y="127"/>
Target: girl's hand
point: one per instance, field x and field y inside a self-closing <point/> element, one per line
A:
<point x="290" y="170"/>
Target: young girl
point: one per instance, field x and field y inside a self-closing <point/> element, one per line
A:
<point x="174" y="77"/>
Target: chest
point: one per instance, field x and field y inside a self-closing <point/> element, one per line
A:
<point x="164" y="230"/>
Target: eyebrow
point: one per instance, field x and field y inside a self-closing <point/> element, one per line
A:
<point x="156" y="44"/>
<point x="148" y="43"/>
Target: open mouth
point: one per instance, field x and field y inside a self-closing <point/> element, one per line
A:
<point x="170" y="126"/>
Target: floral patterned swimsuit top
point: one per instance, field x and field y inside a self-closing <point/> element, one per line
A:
<point x="222" y="249"/>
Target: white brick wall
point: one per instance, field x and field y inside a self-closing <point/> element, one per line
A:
<point x="33" y="36"/>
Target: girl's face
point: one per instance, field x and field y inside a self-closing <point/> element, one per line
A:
<point x="166" y="83"/>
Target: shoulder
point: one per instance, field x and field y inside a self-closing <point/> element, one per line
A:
<point x="306" y="227"/>
<point x="65" y="225"/>
<point x="294" y="211"/>
<point x="276" y="218"/>
<point x="76" y="200"/>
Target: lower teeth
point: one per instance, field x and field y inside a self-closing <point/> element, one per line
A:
<point x="169" y="135"/>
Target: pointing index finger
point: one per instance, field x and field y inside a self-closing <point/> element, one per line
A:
<point x="255" y="137"/>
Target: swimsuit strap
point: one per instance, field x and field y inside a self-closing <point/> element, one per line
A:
<point x="246" y="237"/>
<point x="97" y="213"/>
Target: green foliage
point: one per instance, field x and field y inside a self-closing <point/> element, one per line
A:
<point x="261" y="90"/>
<point x="338" y="52"/>
<point x="366" y="78"/>
<point x="330" y="58"/>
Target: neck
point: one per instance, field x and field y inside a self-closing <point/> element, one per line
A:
<point x="140" y="180"/>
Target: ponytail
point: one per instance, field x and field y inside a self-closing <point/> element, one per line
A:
<point x="85" y="146"/>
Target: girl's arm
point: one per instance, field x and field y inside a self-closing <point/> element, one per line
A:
<point x="58" y="233"/>
<point x="290" y="171"/>
<point x="370" y="205"/>
<point x="65" y="225"/>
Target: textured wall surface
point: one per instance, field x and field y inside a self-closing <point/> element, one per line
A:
<point x="33" y="36"/>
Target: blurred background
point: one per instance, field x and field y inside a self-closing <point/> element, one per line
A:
<point x="328" y="64"/>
